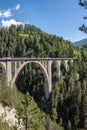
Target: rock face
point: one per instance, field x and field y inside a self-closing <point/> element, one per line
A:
<point x="8" y="114"/>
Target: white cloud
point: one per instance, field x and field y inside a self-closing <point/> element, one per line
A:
<point x="6" y="13"/>
<point x="17" y="7"/>
<point x="7" y="23"/>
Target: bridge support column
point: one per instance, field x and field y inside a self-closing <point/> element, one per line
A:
<point x="58" y="67"/>
<point x="15" y="66"/>
<point x="66" y="63"/>
<point x="48" y="88"/>
<point x="71" y="61"/>
<point x="8" y="73"/>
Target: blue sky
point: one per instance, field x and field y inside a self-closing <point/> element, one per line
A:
<point x="59" y="17"/>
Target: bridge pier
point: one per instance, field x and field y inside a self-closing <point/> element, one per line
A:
<point x="66" y="63"/>
<point x="48" y="88"/>
<point x="8" y="73"/>
<point x="58" y="63"/>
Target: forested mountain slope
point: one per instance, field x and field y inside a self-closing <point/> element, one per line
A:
<point x="30" y="41"/>
<point x="66" y="107"/>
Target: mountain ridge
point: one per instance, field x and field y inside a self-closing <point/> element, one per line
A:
<point x="80" y="43"/>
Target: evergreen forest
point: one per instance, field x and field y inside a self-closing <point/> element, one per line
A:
<point x="66" y="108"/>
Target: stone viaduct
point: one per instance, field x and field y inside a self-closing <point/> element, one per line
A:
<point x="12" y="66"/>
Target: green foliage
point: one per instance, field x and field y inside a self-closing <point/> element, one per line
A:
<point x="69" y="127"/>
<point x="85" y="110"/>
<point x="49" y="125"/>
<point x="30" y="113"/>
<point x="4" y="126"/>
<point x="66" y="105"/>
<point x="32" y="42"/>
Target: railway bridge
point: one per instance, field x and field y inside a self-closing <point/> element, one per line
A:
<point x="12" y="66"/>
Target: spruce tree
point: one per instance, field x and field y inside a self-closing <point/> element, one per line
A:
<point x="85" y="110"/>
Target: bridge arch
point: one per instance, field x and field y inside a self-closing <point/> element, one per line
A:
<point x="3" y="66"/>
<point x="46" y="77"/>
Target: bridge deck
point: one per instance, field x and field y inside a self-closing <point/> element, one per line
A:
<point x="33" y="59"/>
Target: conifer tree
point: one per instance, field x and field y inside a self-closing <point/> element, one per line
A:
<point x="85" y="110"/>
<point x="69" y="126"/>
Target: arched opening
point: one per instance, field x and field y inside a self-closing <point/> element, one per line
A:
<point x="64" y="67"/>
<point x="32" y="77"/>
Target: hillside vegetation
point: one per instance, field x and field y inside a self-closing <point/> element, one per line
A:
<point x="66" y="108"/>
